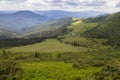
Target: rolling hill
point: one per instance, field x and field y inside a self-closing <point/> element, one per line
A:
<point x="108" y="29"/>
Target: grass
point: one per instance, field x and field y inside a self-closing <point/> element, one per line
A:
<point x="80" y="27"/>
<point x="49" y="45"/>
<point x="56" y="71"/>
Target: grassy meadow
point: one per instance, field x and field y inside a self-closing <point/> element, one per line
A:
<point x="49" y="45"/>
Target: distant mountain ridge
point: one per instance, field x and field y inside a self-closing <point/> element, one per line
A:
<point x="18" y="20"/>
<point x="63" y="14"/>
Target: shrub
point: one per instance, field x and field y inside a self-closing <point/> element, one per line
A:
<point x="9" y="69"/>
<point x="36" y="54"/>
<point x="98" y="63"/>
<point x="79" y="64"/>
<point x="111" y="71"/>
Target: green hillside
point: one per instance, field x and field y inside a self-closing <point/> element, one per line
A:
<point x="75" y="33"/>
<point x="95" y="19"/>
<point x="108" y="29"/>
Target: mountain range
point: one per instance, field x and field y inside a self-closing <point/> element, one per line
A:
<point x="63" y="14"/>
<point x="32" y="24"/>
<point x="21" y="19"/>
<point x="18" y="20"/>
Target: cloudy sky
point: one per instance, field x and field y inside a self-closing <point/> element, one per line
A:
<point x="67" y="5"/>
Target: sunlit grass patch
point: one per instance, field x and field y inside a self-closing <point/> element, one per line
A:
<point x="55" y="71"/>
<point x="50" y="45"/>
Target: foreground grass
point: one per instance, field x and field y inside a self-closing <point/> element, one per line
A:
<point x="56" y="71"/>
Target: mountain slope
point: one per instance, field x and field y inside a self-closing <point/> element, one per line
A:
<point x="108" y="29"/>
<point x="49" y="29"/>
<point x="74" y="35"/>
<point x="21" y="19"/>
<point x="98" y="19"/>
<point x="7" y="34"/>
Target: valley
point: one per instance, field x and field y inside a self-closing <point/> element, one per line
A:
<point x="63" y="49"/>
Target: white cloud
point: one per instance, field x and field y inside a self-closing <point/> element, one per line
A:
<point x="69" y="5"/>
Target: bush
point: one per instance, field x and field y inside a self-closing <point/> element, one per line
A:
<point x="111" y="71"/>
<point x="79" y="64"/>
<point x="36" y="54"/>
<point x="10" y="70"/>
<point x="98" y="63"/>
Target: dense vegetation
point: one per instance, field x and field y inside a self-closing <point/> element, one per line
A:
<point x="19" y="42"/>
<point x="90" y="65"/>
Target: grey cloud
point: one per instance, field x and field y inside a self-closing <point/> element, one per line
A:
<point x="74" y="3"/>
<point x="53" y="1"/>
<point x="118" y="5"/>
<point x="13" y="0"/>
<point x="93" y="3"/>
